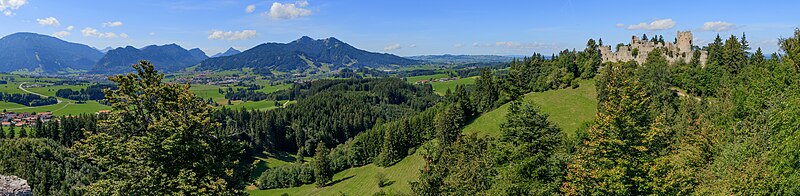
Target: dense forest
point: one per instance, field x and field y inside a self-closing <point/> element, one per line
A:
<point x="728" y="127"/>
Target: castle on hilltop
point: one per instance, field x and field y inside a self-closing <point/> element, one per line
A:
<point x="638" y="50"/>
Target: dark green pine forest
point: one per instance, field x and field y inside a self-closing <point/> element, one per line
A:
<point x="727" y="127"/>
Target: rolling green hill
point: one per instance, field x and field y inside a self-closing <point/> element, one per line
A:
<point x="568" y="108"/>
<point x="362" y="180"/>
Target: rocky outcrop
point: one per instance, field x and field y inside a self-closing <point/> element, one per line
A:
<point x="12" y="185"/>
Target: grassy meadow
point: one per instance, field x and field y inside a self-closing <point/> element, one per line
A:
<point x="568" y="108"/>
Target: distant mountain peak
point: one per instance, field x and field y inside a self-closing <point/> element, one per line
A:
<point x="231" y="51"/>
<point x="31" y="51"/>
<point x="304" y="39"/>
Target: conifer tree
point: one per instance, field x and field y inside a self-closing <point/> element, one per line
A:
<point x="11" y="132"/>
<point x="321" y="165"/>
<point x="23" y="133"/>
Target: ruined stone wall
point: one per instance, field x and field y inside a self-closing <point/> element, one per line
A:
<point x="637" y="50"/>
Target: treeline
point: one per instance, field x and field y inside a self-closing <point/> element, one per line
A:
<point x="539" y="73"/>
<point x="245" y="95"/>
<point x="27" y="99"/>
<point x="92" y="92"/>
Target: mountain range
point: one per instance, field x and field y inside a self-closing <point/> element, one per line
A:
<point x="42" y="53"/>
<point x="46" y="54"/>
<point x="302" y="54"/>
<point x="168" y="58"/>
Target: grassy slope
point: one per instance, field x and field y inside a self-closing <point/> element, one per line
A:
<point x="568" y="108"/>
<point x="441" y="87"/>
<point x="361" y="180"/>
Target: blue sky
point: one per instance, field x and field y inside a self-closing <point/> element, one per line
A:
<point x="408" y="27"/>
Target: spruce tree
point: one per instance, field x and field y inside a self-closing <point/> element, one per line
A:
<point x="2" y="132"/>
<point x="11" y="132"/>
<point x="321" y="165"/>
<point x="23" y="132"/>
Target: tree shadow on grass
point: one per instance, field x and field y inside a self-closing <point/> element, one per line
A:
<point x="284" y="156"/>
<point x="388" y="183"/>
<point x="340" y="180"/>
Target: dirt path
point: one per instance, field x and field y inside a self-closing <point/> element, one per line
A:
<point x="26" y="90"/>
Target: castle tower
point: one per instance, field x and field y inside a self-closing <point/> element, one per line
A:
<point x="684" y="41"/>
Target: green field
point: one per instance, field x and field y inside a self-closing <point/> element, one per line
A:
<point x="269" y="89"/>
<point x="256" y="105"/>
<point x="414" y="79"/>
<point x="441" y="87"/>
<point x="66" y="107"/>
<point x="361" y="180"/>
<point x="568" y="108"/>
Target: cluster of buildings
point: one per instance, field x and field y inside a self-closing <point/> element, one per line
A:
<point x="24" y="118"/>
<point x="211" y="80"/>
<point x="436" y="80"/>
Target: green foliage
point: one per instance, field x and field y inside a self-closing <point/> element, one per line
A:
<point x="286" y="176"/>
<point x="624" y="140"/>
<point x="486" y="92"/>
<point x="49" y="168"/>
<point x="792" y="48"/>
<point x="460" y="168"/>
<point x="151" y="142"/>
<point x="524" y="154"/>
<point x="448" y="124"/>
<point x="321" y="165"/>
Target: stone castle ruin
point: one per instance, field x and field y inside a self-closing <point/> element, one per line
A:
<point x="638" y="50"/>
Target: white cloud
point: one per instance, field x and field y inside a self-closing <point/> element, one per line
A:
<point x="619" y="25"/>
<point x="49" y="21"/>
<point x="112" y="24"/>
<point x="718" y="26"/>
<point x="458" y="45"/>
<point x="61" y="34"/>
<point x="91" y="32"/>
<point x="232" y="35"/>
<point x="108" y="35"/>
<point x="70" y="27"/>
<point x="392" y="47"/>
<point x="289" y="10"/>
<point x="152" y="33"/>
<point x="660" y="24"/>
<point x="6" y="6"/>
<point x="250" y="9"/>
<point x="88" y="31"/>
<point x="302" y="3"/>
<point x="412" y="46"/>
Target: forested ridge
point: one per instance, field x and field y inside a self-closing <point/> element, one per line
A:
<point x="734" y="132"/>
